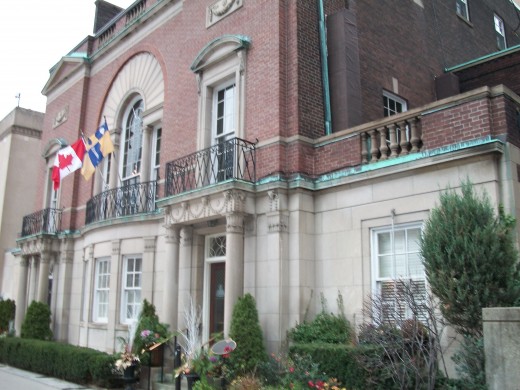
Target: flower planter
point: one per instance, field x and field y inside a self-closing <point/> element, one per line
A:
<point x="217" y="382"/>
<point x="191" y="379"/>
<point x="129" y="373"/>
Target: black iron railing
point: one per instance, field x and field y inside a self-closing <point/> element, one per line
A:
<point x="130" y="199"/>
<point x="230" y="159"/>
<point x="46" y="221"/>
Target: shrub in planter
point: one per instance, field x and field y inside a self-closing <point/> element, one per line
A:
<point x="245" y="330"/>
<point x="37" y="322"/>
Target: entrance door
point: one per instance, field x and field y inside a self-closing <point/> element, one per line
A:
<point x="217" y="284"/>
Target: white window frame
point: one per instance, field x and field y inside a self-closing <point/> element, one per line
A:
<point x="129" y="174"/>
<point x="131" y="292"/>
<point x="405" y="252"/>
<point x="101" y="290"/>
<point x="462" y="9"/>
<point x="208" y="260"/>
<point x="155" y="162"/>
<point x="500" y="32"/>
<point x="396" y="100"/>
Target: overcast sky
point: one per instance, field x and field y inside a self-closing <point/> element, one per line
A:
<point x="35" y="34"/>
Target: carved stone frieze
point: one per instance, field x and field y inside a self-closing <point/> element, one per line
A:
<point x="232" y="201"/>
<point x="39" y="245"/>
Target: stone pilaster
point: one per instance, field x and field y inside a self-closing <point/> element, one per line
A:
<point x="171" y="277"/>
<point x="21" y="294"/>
<point x="43" y="277"/>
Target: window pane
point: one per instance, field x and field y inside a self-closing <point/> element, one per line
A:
<point x="386" y="268"/>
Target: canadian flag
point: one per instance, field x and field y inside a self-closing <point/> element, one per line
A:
<point x="67" y="161"/>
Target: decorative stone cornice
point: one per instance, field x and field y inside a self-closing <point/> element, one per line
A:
<point x="232" y="201"/>
<point x="38" y="245"/>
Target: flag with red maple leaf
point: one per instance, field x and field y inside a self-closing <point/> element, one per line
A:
<point x="68" y="160"/>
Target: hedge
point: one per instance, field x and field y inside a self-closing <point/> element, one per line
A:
<point x="64" y="361"/>
<point x="340" y="361"/>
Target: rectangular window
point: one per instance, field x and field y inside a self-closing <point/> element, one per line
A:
<point x="101" y="290"/>
<point x="131" y="294"/>
<point x="156" y="153"/>
<point x="396" y="257"/>
<point x="500" y="33"/>
<point x="462" y="8"/>
<point x="393" y="104"/>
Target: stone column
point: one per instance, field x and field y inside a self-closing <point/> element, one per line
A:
<point x="32" y="280"/>
<point x="185" y="273"/>
<point x="171" y="276"/>
<point x="43" y="277"/>
<point x="234" y="265"/>
<point x="21" y="294"/>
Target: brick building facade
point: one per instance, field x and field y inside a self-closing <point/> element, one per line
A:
<point x="247" y="161"/>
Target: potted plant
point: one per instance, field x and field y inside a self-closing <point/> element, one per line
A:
<point x="192" y="345"/>
<point x="127" y="362"/>
<point x="150" y="335"/>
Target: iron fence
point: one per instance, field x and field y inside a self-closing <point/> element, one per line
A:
<point x="130" y="199"/>
<point x="230" y="159"/>
<point x="46" y="221"/>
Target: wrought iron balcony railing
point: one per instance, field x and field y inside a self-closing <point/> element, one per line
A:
<point x="230" y="159"/>
<point x="46" y="221"/>
<point x="130" y="199"/>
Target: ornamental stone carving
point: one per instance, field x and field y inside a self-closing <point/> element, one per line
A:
<point x="220" y="9"/>
<point x="232" y="201"/>
<point x="61" y="117"/>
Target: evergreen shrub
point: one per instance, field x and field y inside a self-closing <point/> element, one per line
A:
<point x="37" y="322"/>
<point x="245" y="330"/>
<point x="7" y="312"/>
<point x="64" y="361"/>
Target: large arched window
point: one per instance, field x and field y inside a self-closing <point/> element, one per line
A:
<point x="132" y="141"/>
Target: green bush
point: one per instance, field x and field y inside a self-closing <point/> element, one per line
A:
<point x="325" y="328"/>
<point x="7" y="312"/>
<point x="37" y="322"/>
<point x="341" y="361"/>
<point x="64" y="361"/>
<point x="148" y="320"/>
<point x="245" y="330"/>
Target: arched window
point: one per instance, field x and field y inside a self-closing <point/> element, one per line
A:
<point x="132" y="142"/>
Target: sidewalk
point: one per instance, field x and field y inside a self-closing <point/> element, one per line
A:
<point x="14" y="378"/>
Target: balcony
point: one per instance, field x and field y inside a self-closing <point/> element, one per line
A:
<point x="233" y="159"/>
<point x="46" y="221"/>
<point x="130" y="199"/>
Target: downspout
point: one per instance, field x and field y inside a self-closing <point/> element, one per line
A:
<point x="324" y="68"/>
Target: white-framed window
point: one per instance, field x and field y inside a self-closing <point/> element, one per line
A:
<point x="393" y="104"/>
<point x="101" y="290"/>
<point x="395" y="258"/>
<point x="156" y="153"/>
<point x="214" y="284"/>
<point x="500" y="32"/>
<point x="462" y="8"/>
<point x="223" y="130"/>
<point x="131" y="288"/>
<point x="132" y="141"/>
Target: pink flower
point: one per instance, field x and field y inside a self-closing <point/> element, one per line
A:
<point x="291" y="369"/>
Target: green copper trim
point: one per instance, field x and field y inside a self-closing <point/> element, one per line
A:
<point x="324" y="69"/>
<point x="482" y="59"/>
